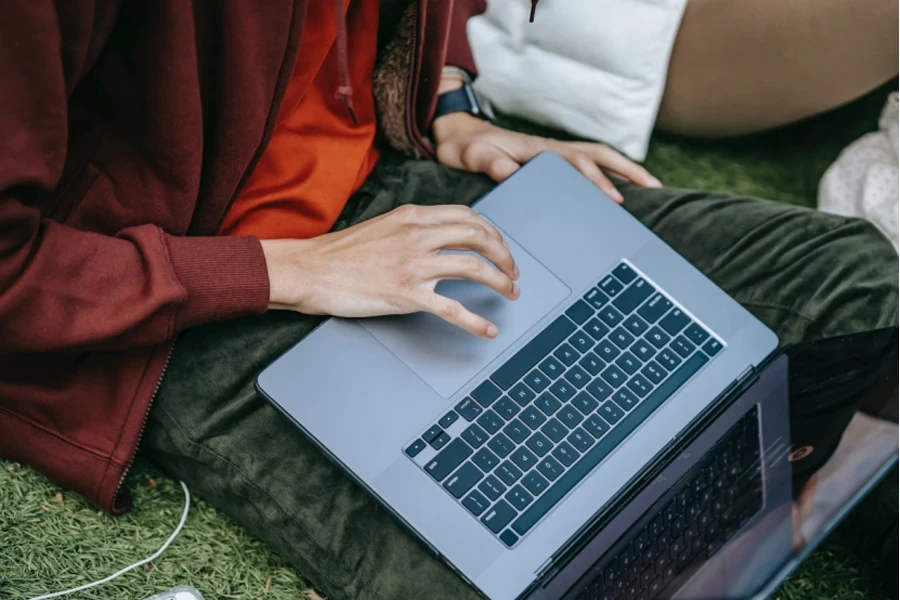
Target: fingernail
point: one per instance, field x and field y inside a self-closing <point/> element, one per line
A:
<point x="492" y="331"/>
<point x="616" y="195"/>
<point x="653" y="182"/>
<point x="515" y="271"/>
<point x="505" y="243"/>
<point x="516" y="291"/>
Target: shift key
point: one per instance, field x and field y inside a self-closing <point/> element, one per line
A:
<point x="448" y="459"/>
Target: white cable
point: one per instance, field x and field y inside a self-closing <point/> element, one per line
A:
<point x="154" y="556"/>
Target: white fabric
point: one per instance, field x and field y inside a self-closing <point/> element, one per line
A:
<point x="594" y="68"/>
<point x="863" y="181"/>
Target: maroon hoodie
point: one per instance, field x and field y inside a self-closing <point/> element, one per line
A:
<point x="126" y="130"/>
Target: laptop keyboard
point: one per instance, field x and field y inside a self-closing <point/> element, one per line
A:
<point x="542" y="421"/>
<point x="702" y="511"/>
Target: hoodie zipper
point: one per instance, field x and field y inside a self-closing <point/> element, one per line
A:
<point x="137" y="443"/>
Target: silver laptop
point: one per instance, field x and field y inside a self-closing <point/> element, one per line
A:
<point x="500" y="454"/>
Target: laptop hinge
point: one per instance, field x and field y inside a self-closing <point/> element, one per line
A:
<point x="744" y="375"/>
<point x="542" y="570"/>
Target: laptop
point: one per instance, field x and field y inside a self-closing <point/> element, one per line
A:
<point x="503" y="456"/>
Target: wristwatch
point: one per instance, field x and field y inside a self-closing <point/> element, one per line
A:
<point x="461" y="99"/>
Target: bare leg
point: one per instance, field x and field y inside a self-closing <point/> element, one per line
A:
<point x="740" y="66"/>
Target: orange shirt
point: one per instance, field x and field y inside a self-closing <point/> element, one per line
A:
<point x="317" y="157"/>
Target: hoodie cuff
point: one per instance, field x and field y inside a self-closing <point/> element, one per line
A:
<point x="224" y="277"/>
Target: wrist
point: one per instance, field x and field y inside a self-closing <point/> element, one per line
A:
<point x="456" y="124"/>
<point x="283" y="280"/>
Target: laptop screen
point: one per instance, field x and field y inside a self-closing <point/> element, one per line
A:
<point x="743" y="504"/>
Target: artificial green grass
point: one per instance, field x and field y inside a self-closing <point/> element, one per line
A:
<point x="50" y="542"/>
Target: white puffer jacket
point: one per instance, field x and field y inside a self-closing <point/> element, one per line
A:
<point x="594" y="68"/>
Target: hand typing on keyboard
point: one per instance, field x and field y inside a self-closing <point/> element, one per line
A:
<point x="390" y="265"/>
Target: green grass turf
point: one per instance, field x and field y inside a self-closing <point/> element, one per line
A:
<point x="47" y="544"/>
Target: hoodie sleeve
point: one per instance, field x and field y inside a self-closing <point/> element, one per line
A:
<point x="458" y="52"/>
<point x="63" y="288"/>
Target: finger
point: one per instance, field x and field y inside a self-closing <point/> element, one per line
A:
<point x="473" y="236"/>
<point x="610" y="160"/>
<point x="485" y="157"/>
<point x="446" y="214"/>
<point x="589" y="169"/>
<point x="456" y="314"/>
<point x="472" y="268"/>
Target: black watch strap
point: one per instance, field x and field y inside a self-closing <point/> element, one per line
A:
<point x="459" y="100"/>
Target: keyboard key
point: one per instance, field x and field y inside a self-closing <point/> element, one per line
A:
<point x="596" y="329"/>
<point x="599" y="389"/>
<point x="475" y="435"/>
<point x="563" y="390"/>
<point x="476" y="503"/>
<point x="696" y="333"/>
<point x="581" y="341"/>
<point x="518" y="497"/>
<point x="591" y="363"/>
<point x="712" y="347"/>
<point x="509" y="538"/>
<point x="569" y="417"/>
<point x="625" y="399"/>
<point x="498" y="516"/>
<point x="448" y="419"/>
<point x="550" y="468"/>
<point x="607" y="350"/>
<point x="486" y="460"/>
<point x="433" y="432"/>
<point x="463" y="480"/>
<point x="440" y="441"/>
<point x="611" y="412"/>
<point x="523" y="458"/>
<point x="537" y="381"/>
<point x="547" y="403"/>
<point x="668" y="359"/>
<point x="522" y="394"/>
<point x="501" y="445"/>
<point x="492" y="487"/>
<point x="490" y="421"/>
<point x="508" y="473"/>
<point x="657" y="337"/>
<point x="554" y="430"/>
<point x="675" y="321"/>
<point x="624" y="273"/>
<point x="580" y="439"/>
<point x="596" y="298"/>
<point x="551" y="367"/>
<point x="621" y="338"/>
<point x="469" y="409"/>
<point x="565" y="453"/>
<point x="633" y="296"/>
<point x="448" y="459"/>
<point x="595" y="426"/>
<point x="533" y="352"/>
<point x="643" y="350"/>
<point x="539" y="444"/>
<point x="506" y="408"/>
<point x="636" y="325"/>
<point x="613" y="375"/>
<point x="535" y="483"/>
<point x="582" y="467"/>
<point x="654" y="308"/>
<point x="609" y="315"/>
<point x="566" y="354"/>
<point x="584" y="403"/>
<point x="639" y="385"/>
<point x="517" y="431"/>
<point x="532" y="417"/>
<point x="417" y="446"/>
<point x="628" y="363"/>
<point x="682" y="346"/>
<point x="577" y="376"/>
<point x="610" y="285"/>
<point x="486" y="393"/>
<point x="580" y="312"/>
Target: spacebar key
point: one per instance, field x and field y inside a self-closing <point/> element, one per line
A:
<point x="533" y="352"/>
<point x="595" y="455"/>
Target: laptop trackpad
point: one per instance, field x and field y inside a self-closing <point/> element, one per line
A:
<point x="447" y="357"/>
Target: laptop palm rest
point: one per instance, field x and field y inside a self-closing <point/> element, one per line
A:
<point x="446" y="357"/>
